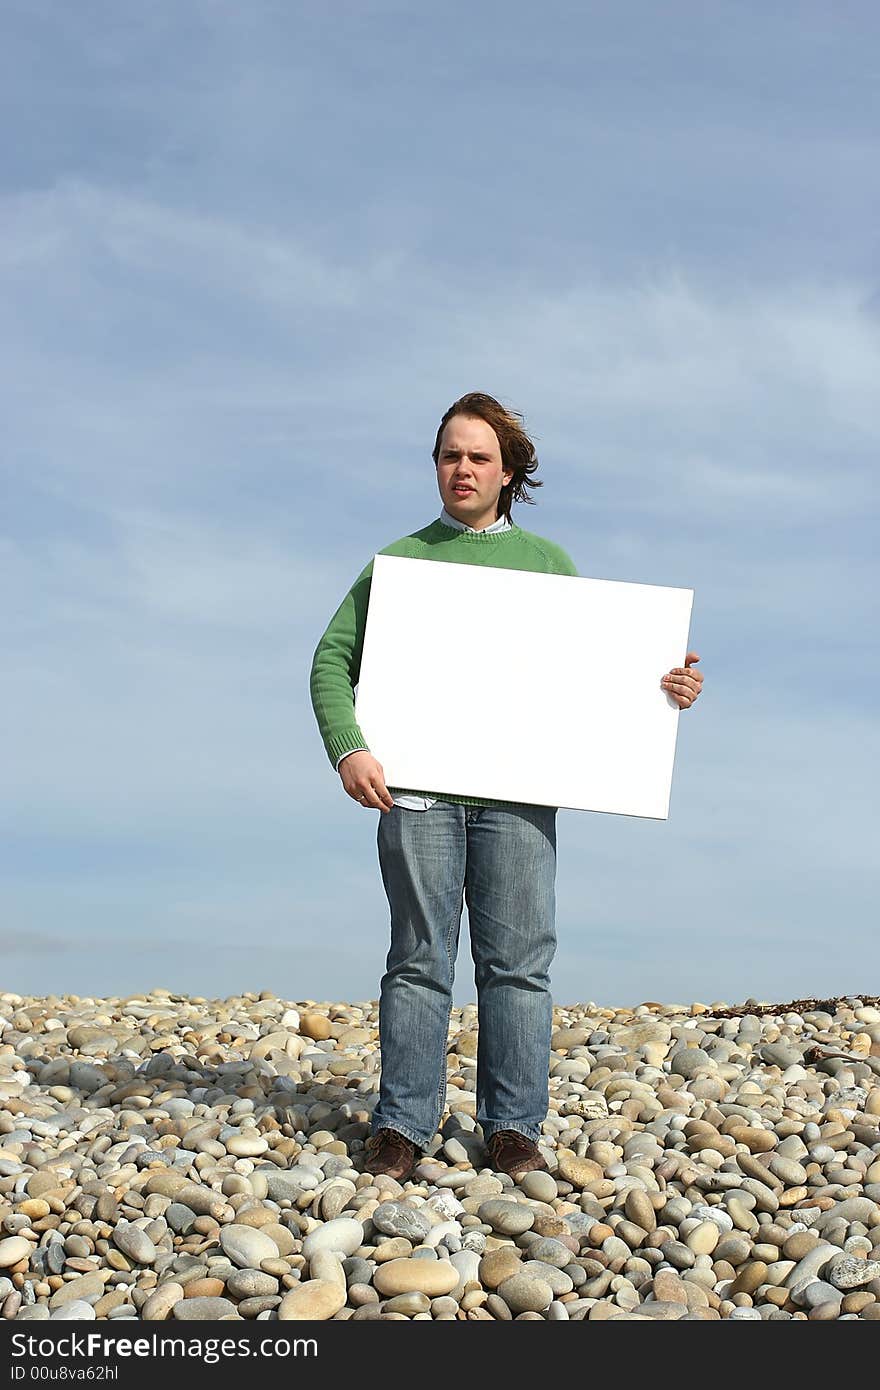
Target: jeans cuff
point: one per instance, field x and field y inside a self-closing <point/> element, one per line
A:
<point x="529" y="1131"/>
<point x="409" y="1134"/>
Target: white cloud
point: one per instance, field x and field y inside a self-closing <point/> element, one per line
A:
<point x="696" y="397"/>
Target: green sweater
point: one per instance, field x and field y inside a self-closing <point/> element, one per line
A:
<point x="337" y="661"/>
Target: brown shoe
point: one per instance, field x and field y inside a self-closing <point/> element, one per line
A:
<point x="391" y="1153"/>
<point x="513" y="1153"/>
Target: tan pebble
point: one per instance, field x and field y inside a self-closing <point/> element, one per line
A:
<point x="34" y="1207"/>
<point x="749" y="1278"/>
<point x="498" y="1265"/>
<point x="475" y="1299"/>
<point x="668" y="1287"/>
<point x="432" y="1277"/>
<point x="160" y="1302"/>
<point x="599" y="1233"/>
<point x="111" y="1300"/>
<point x="204" y="1288"/>
<point x="757" y="1141"/>
<point x="695" y="1294"/>
<point x="398" y="1247"/>
<point x="579" y="1171"/>
<point x="857" y="1300"/>
<point x="703" y="1238"/>
<point x="316" y="1026"/>
<point x="282" y="1236"/>
<point x="825" y="1312"/>
<point x="743" y="1218"/>
<point x="410" y="1304"/>
<point x="13" y="1251"/>
<point x="42" y="1182"/>
<point x="327" y="1265"/>
<point x="777" y="1296"/>
<point x="549" y="1225"/>
<point x="754" y="1168"/>
<point x="631" y="1233"/>
<point x="602" y="1310"/>
<point x="793" y="1195"/>
<point x="640" y="1209"/>
<point x="256" y="1217"/>
<point x="779" y="1270"/>
<point x="84" y="1286"/>
<point x="315" y="1300"/>
<point x="359" y="1294"/>
<point x="247" y="1145"/>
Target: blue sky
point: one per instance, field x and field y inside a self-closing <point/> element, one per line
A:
<point x="249" y="254"/>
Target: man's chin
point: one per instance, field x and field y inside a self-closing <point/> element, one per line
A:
<point x="460" y="504"/>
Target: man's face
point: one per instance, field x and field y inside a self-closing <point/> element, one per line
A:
<point x="470" y="474"/>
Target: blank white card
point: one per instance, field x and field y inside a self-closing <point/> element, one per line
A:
<point x="541" y="688"/>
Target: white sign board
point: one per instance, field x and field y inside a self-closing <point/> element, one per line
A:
<point x="514" y="686"/>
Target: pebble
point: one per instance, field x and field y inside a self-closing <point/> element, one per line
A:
<point x="168" y="1156"/>
<point x="580" y="1172"/>
<point x="251" y="1283"/>
<point x="400" y="1219"/>
<point x="343" y="1236"/>
<point x="640" y="1209"/>
<point x="134" y="1243"/>
<point x="88" y="1288"/>
<point x="852" y="1273"/>
<point x="703" y="1239"/>
<point x="539" y="1186"/>
<point x="498" y="1265"/>
<point x="247" y="1246"/>
<point x="316" y="1300"/>
<point x="161" y="1301"/>
<point x="526" y="1293"/>
<point x="410" y="1304"/>
<point x="74" y="1311"/>
<point x="508" y="1218"/>
<point x="13" y="1250"/>
<point x="688" y="1061"/>
<point x="431" y="1277"/>
<point x="551" y="1252"/>
<point x="202" y="1309"/>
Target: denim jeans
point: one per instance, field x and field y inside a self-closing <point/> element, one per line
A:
<point x="503" y="862"/>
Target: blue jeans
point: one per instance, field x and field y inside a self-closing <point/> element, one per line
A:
<point x="504" y="864"/>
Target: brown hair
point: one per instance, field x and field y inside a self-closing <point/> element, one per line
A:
<point x="517" y="450"/>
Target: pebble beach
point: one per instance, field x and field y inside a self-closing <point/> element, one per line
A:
<point x="165" y="1156"/>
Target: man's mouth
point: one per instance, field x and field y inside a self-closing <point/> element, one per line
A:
<point x="462" y="490"/>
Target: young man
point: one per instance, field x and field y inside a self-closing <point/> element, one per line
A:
<point x="437" y="848"/>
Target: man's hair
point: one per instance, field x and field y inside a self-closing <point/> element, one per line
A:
<point x="517" y="450"/>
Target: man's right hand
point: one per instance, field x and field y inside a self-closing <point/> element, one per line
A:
<point x="364" y="780"/>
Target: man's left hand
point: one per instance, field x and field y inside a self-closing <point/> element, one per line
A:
<point x="682" y="684"/>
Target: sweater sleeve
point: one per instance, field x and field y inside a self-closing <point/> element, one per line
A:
<point x="336" y="669"/>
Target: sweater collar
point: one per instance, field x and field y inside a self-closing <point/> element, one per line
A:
<point x="502" y="524"/>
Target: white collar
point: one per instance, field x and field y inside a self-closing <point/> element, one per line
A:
<point x="502" y="524"/>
